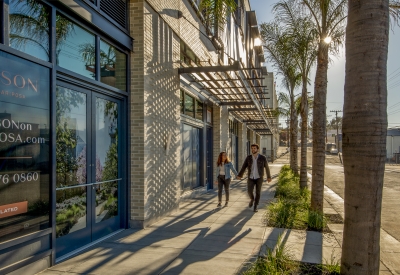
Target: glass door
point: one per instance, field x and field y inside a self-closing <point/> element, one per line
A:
<point x="88" y="166"/>
<point x="105" y="169"/>
<point x="190" y="157"/>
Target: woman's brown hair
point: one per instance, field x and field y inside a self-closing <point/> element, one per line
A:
<point x="219" y="161"/>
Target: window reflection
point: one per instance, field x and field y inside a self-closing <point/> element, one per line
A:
<point x="71" y="161"/>
<point x="29" y="28"/>
<point x="112" y="66"/>
<point x="70" y="137"/>
<point x="106" y="159"/>
<point x="182" y="101"/>
<point x="25" y="144"/>
<point x="76" y="50"/>
<point x="199" y="110"/>
<point x="189" y="106"/>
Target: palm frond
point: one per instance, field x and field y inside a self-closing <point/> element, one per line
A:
<point x="394" y="11"/>
<point x="19" y="42"/>
<point x="330" y="16"/>
<point x="217" y="11"/>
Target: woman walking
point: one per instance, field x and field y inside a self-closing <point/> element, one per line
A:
<point x="223" y="176"/>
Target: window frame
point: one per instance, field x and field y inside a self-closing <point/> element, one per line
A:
<point x="59" y="74"/>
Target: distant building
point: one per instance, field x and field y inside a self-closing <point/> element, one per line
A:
<point x="269" y="143"/>
<point x="392" y="142"/>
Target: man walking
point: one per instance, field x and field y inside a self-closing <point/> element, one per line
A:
<point x="255" y="164"/>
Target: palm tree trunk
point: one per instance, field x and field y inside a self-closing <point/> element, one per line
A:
<point x="293" y="135"/>
<point x="364" y="133"/>
<point x="319" y="126"/>
<point x="304" y="122"/>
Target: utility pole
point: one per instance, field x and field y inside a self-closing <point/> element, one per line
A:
<point x="337" y="128"/>
<point x="326" y="129"/>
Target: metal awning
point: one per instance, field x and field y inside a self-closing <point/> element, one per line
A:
<point x="239" y="88"/>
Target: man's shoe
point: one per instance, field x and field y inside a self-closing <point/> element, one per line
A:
<point x="255" y="208"/>
<point x="219" y="204"/>
<point x="251" y="203"/>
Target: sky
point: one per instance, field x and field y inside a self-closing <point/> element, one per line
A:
<point x="336" y="70"/>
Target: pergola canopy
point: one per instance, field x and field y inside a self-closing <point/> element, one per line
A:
<point x="239" y="88"/>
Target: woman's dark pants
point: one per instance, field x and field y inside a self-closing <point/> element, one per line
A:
<point x="222" y="182"/>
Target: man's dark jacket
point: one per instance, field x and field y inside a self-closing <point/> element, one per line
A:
<point x="261" y="164"/>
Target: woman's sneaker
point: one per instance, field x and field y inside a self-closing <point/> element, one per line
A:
<point x="219" y="204"/>
<point x="226" y="204"/>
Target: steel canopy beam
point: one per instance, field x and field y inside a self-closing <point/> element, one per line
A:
<point x="232" y="87"/>
<point x="242" y="110"/>
<point x="262" y="130"/>
<point x="253" y="121"/>
<point x="210" y="69"/>
<point x="216" y="80"/>
<point x="236" y="103"/>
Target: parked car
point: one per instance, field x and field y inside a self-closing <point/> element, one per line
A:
<point x="331" y="148"/>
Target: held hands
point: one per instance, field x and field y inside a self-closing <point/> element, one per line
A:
<point x="269" y="179"/>
<point x="238" y="178"/>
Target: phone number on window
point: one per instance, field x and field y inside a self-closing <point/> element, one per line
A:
<point x="20" y="177"/>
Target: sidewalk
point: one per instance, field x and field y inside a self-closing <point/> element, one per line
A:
<point x="390" y="247"/>
<point x="200" y="239"/>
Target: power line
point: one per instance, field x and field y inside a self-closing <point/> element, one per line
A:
<point x="394" y="86"/>
<point x="394" y="113"/>
<point x="394" y="77"/>
<point x="394" y="83"/>
<point x="394" y="71"/>
<point x="394" y="105"/>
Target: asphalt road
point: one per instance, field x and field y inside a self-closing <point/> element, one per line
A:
<point x="334" y="179"/>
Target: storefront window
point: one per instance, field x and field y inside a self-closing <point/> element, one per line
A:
<point x="182" y="101"/>
<point x="199" y="110"/>
<point x="24" y="147"/>
<point x="189" y="106"/>
<point x="76" y="50"/>
<point x="112" y="66"/>
<point x="29" y="28"/>
<point x="209" y="114"/>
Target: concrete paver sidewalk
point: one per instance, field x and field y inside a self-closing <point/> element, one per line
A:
<point x="200" y="239"/>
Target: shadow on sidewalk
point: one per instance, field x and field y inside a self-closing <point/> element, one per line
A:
<point x="197" y="234"/>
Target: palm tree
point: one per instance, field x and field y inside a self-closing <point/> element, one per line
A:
<point x="283" y="109"/>
<point x="280" y="53"/>
<point x="303" y="36"/>
<point x="216" y="12"/>
<point x="329" y="17"/>
<point x="364" y="133"/>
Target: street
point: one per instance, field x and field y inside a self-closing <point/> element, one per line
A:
<point x="334" y="179"/>
<point x="390" y="229"/>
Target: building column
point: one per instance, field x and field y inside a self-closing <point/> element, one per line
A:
<point x="258" y="139"/>
<point x="252" y="137"/>
<point x="225" y="145"/>
<point x="242" y="143"/>
<point x="220" y="131"/>
<point x="216" y="119"/>
<point x="136" y="118"/>
<point x="154" y="118"/>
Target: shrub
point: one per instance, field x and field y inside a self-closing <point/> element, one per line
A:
<point x="277" y="261"/>
<point x="316" y="220"/>
<point x="292" y="207"/>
